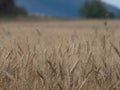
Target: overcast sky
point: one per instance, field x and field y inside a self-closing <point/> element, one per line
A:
<point x="113" y="2"/>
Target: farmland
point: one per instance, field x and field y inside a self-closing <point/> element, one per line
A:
<point x="60" y="55"/>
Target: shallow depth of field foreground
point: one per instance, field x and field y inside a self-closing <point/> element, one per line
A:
<point x="60" y="55"/>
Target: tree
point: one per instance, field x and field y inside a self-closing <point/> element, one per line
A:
<point x="118" y="14"/>
<point x="95" y="9"/>
<point x="8" y="8"/>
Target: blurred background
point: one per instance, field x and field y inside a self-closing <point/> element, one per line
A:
<point x="60" y="8"/>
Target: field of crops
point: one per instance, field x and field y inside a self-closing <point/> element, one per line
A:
<point x="60" y="55"/>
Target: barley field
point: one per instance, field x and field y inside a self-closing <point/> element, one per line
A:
<point x="60" y="55"/>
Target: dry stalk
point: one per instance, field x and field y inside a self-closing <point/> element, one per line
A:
<point x="83" y="83"/>
<point x="74" y="66"/>
<point x="116" y="49"/>
<point x="20" y="50"/>
<point x="38" y="32"/>
<point x="11" y="51"/>
<point x="114" y="85"/>
<point x="9" y="75"/>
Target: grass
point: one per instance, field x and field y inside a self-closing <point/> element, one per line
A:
<point x="77" y="55"/>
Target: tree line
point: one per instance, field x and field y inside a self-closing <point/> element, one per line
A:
<point x="95" y="9"/>
<point x="90" y="9"/>
<point x="8" y="8"/>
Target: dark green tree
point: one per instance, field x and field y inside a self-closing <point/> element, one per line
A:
<point x="95" y="9"/>
<point x="118" y="14"/>
<point x="9" y="8"/>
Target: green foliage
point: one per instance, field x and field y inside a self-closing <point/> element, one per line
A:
<point x="95" y="9"/>
<point x="9" y="9"/>
<point x="118" y="14"/>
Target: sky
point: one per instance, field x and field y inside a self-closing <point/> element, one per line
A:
<point x="113" y="2"/>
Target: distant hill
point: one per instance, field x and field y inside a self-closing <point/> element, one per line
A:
<point x="59" y="8"/>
